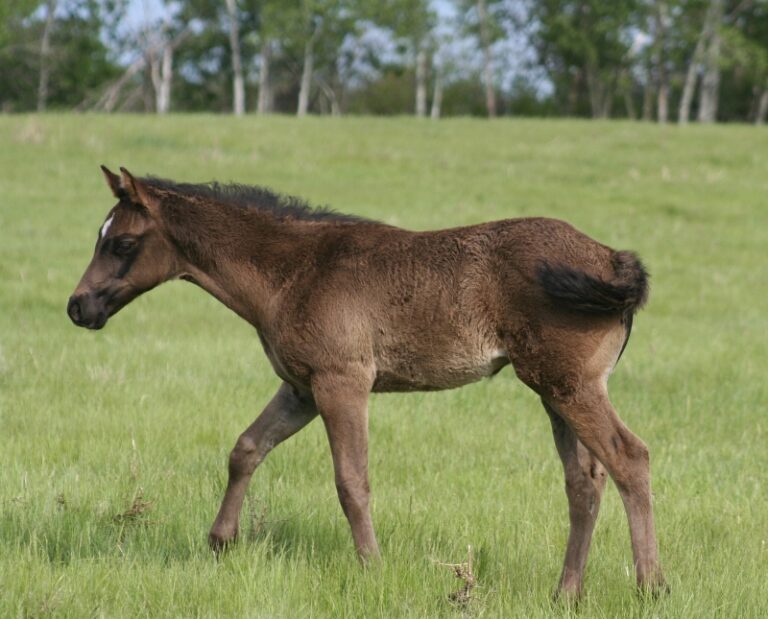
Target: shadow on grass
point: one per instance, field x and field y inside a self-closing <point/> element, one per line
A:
<point x="62" y="539"/>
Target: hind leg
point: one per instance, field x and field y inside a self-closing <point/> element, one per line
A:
<point x="595" y="423"/>
<point x="584" y="485"/>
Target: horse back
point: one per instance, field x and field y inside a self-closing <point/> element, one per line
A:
<point x="425" y="310"/>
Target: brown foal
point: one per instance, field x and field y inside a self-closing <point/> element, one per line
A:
<point x="345" y="306"/>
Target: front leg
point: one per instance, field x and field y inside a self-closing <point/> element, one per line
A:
<point x="342" y="400"/>
<point x="287" y="413"/>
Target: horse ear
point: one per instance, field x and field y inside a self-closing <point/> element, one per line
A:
<point x="135" y="189"/>
<point x="113" y="180"/>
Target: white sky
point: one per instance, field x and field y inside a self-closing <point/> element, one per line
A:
<point x="141" y="11"/>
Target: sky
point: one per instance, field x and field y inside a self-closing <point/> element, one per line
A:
<point x="141" y="11"/>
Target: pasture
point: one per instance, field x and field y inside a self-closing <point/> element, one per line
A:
<point x="114" y="443"/>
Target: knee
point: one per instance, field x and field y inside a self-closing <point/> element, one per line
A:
<point x="353" y="492"/>
<point x="581" y="492"/>
<point x="632" y="473"/>
<point x="584" y="487"/>
<point x="637" y="451"/>
<point x="243" y="457"/>
<point x="630" y="446"/>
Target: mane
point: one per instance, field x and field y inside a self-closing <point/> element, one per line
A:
<point x="252" y="197"/>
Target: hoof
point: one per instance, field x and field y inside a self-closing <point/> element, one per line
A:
<point x="369" y="557"/>
<point x="219" y="543"/>
<point x="568" y="590"/>
<point x="654" y="587"/>
<point x="567" y="596"/>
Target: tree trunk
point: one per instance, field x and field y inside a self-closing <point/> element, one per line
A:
<point x="485" y="40"/>
<point x="691" y="77"/>
<point x="762" y="108"/>
<point x="166" y="77"/>
<point x="45" y="52"/>
<point x="154" y="75"/>
<point x="128" y="103"/>
<point x="329" y="95"/>
<point x="662" y="101"/>
<point x="629" y="103"/>
<point x="437" y="97"/>
<point x="648" y="94"/>
<point x="710" y="82"/>
<point x="421" y="82"/>
<point x="150" y="82"/>
<point x="599" y="98"/>
<point x="306" y="76"/>
<point x="109" y="99"/>
<point x="238" y="85"/>
<point x="605" y="110"/>
<point x="265" y="93"/>
<point x="573" y="93"/>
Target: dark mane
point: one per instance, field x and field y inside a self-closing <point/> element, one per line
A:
<point x="248" y="196"/>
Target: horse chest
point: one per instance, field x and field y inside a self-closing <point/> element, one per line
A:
<point x="296" y="374"/>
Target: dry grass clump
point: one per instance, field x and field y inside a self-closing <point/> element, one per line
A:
<point x="136" y="512"/>
<point x="462" y="571"/>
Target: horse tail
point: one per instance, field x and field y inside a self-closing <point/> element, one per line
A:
<point x="625" y="293"/>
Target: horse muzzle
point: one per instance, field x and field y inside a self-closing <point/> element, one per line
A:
<point x="85" y="311"/>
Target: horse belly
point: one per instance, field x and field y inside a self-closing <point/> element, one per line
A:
<point x="436" y="372"/>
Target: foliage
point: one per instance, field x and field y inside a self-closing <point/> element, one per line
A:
<point x="585" y="44"/>
<point x="579" y="58"/>
<point x="81" y="62"/>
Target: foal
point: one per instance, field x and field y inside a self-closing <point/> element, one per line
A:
<point x="345" y="306"/>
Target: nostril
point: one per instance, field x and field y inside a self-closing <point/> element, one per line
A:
<point x="73" y="309"/>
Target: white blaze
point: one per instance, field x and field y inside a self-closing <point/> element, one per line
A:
<point x="106" y="226"/>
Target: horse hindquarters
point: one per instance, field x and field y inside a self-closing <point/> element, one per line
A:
<point x="565" y="349"/>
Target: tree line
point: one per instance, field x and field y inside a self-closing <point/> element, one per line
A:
<point x="662" y="60"/>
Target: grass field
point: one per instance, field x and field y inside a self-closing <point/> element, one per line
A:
<point x="114" y="443"/>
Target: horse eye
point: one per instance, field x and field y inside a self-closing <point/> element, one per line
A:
<point x="123" y="247"/>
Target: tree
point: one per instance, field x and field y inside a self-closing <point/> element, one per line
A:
<point x="744" y="63"/>
<point x="691" y="74"/>
<point x="411" y="22"/>
<point x="238" y="82"/>
<point x="710" y="82"/>
<point x="722" y="40"/>
<point x="661" y="21"/>
<point x="308" y="34"/>
<point x="584" y="42"/>
<point x="52" y="56"/>
<point x="213" y="56"/>
<point x="267" y="18"/>
<point x="485" y="40"/>
<point x="482" y="20"/>
<point x="45" y="50"/>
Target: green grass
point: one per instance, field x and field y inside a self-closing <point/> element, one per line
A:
<point x="152" y="404"/>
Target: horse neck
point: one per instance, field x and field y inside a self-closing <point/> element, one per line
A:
<point x="239" y="255"/>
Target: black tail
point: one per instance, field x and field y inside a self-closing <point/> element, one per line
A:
<point x="573" y="289"/>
